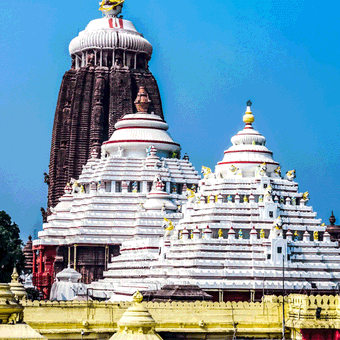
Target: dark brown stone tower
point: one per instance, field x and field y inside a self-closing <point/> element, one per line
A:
<point x="109" y="64"/>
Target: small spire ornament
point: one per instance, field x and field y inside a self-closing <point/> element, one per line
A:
<point x="142" y="101"/>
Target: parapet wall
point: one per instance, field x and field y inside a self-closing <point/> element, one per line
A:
<point x="242" y="319"/>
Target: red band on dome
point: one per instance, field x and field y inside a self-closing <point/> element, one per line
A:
<point x="141" y="127"/>
<point x="247" y="162"/>
<point x="151" y="119"/>
<point x="268" y="152"/>
<point x="139" y="141"/>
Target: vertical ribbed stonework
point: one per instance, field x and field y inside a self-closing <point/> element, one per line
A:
<point x="91" y="100"/>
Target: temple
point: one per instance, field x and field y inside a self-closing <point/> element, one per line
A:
<point x="248" y="231"/>
<point x="109" y="64"/>
<point x="137" y="216"/>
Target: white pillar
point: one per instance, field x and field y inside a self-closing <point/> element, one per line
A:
<point x="306" y="236"/>
<point x="185" y="234"/>
<point x="326" y="237"/>
<point x="196" y="234"/>
<point x="231" y="234"/>
<point x="253" y="235"/>
<point x="144" y="187"/>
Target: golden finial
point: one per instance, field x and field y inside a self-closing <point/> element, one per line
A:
<point x="137" y="297"/>
<point x="248" y="118"/>
<point x="15" y="275"/>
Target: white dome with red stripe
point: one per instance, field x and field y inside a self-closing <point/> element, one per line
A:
<point x="136" y="132"/>
<point x="248" y="151"/>
<point x="110" y="32"/>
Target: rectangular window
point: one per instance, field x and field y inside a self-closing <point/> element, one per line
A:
<point x="265" y="186"/>
<point x="149" y="186"/>
<point x="268" y="256"/>
<point x="279" y="250"/>
<point x="271" y="214"/>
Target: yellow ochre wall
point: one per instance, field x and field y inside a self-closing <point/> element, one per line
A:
<point x="210" y="320"/>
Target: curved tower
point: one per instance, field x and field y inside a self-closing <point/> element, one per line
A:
<point x="109" y="65"/>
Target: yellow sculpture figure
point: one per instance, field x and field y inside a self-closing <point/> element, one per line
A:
<point x="220" y="233"/>
<point x="216" y="199"/>
<point x="206" y="171"/>
<point x="191" y="193"/>
<point x="82" y="189"/>
<point x="171" y="226"/>
<point x="108" y="5"/>
<point x="245" y="199"/>
<point x="168" y="230"/>
<point x="262" y="233"/>
<point x="316" y="236"/>
<point x="278" y="170"/>
<point x="305" y="196"/>
<point x="233" y="168"/>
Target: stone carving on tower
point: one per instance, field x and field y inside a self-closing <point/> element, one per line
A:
<point x="109" y="65"/>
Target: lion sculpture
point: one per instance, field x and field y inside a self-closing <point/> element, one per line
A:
<point x="291" y="175"/>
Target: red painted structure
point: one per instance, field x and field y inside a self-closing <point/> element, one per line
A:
<point x="320" y="334"/>
<point x="89" y="260"/>
<point x="43" y="268"/>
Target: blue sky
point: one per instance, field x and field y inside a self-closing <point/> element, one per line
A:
<point x="209" y="58"/>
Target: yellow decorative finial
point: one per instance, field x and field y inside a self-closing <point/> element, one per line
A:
<point x="248" y="118"/>
<point x="15" y="275"/>
<point x="137" y="297"/>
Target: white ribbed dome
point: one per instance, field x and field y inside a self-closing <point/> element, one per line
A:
<point x="136" y="132"/>
<point x="110" y="33"/>
<point x="247" y="153"/>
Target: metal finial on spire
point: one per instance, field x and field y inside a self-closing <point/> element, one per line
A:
<point x="248" y="118"/>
